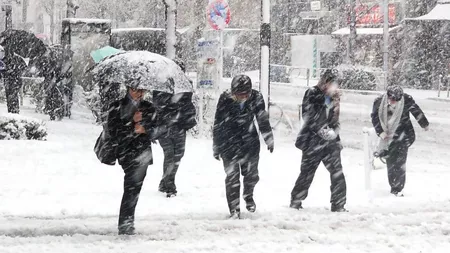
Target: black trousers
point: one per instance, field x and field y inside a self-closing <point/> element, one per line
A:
<point x="12" y="89"/>
<point x="248" y="167"/>
<point x="396" y="164"/>
<point x="135" y="173"/>
<point x="331" y="157"/>
<point x="173" y="146"/>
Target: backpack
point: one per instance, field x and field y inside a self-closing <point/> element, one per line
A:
<point x="105" y="148"/>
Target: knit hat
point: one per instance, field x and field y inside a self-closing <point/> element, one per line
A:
<point x="241" y="84"/>
<point x="395" y="92"/>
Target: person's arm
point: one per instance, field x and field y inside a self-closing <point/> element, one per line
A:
<point x="311" y="111"/>
<point x="375" y="117"/>
<point x="416" y="111"/>
<point x="217" y="128"/>
<point x="262" y="117"/>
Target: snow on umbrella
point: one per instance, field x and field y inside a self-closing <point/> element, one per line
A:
<point x="22" y="43"/>
<point x="100" y="54"/>
<point x="143" y="70"/>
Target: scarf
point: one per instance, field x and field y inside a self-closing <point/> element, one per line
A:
<point x="391" y="124"/>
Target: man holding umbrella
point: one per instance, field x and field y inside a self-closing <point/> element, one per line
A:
<point x="132" y="122"/>
<point x="12" y="74"/>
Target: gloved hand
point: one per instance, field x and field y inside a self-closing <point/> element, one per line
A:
<point x="271" y="147"/>
<point x="384" y="136"/>
<point x="327" y="134"/>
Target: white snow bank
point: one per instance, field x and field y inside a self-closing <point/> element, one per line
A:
<point x="87" y="21"/>
<point x="440" y="12"/>
<point x="17" y="127"/>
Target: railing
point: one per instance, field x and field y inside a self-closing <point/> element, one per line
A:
<point x="444" y="83"/>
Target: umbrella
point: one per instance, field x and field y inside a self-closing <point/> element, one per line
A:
<point x="104" y="52"/>
<point x="143" y="70"/>
<point x="22" y="43"/>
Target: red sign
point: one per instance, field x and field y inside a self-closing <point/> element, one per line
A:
<point x="218" y="14"/>
<point x="368" y="15"/>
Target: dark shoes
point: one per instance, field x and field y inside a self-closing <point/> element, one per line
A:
<point x="397" y="193"/>
<point x="338" y="209"/>
<point x="127" y="229"/>
<point x="296" y="205"/>
<point x="250" y="204"/>
<point x="235" y="214"/>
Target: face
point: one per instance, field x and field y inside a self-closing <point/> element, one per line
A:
<point x="241" y="97"/>
<point x="136" y="94"/>
<point x="331" y="88"/>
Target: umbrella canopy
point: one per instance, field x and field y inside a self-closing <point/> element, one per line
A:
<point x="104" y="52"/>
<point x="22" y="43"/>
<point x="143" y="70"/>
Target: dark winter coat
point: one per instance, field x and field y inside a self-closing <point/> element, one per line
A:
<point x="14" y="68"/>
<point x="120" y="126"/>
<point x="315" y="118"/>
<point x="235" y="134"/>
<point x="405" y="132"/>
<point x="176" y="112"/>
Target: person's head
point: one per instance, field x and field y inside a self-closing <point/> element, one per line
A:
<point x="329" y="82"/>
<point x="241" y="88"/>
<point x="394" y="94"/>
<point x="136" y="94"/>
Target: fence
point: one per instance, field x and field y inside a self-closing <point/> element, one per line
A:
<point x="444" y="84"/>
<point x="354" y="78"/>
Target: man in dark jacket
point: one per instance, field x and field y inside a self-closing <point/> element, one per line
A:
<point x="177" y="113"/>
<point x="390" y="117"/>
<point x="320" y="142"/>
<point x="236" y="140"/>
<point x="12" y="74"/>
<point x="132" y="125"/>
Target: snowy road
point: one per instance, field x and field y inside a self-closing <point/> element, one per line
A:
<point x="56" y="197"/>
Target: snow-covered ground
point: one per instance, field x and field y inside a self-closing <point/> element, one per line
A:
<point x="56" y="197"/>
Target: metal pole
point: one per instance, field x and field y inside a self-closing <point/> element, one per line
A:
<point x="221" y="59"/>
<point x="386" y="42"/>
<point x="171" y="23"/>
<point x="8" y="17"/>
<point x="352" y="35"/>
<point x="265" y="52"/>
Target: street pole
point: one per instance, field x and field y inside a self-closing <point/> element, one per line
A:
<point x="265" y="33"/>
<point x="386" y="42"/>
<point x="171" y="23"/>
<point x="352" y="35"/>
<point x="72" y="7"/>
<point x="8" y="16"/>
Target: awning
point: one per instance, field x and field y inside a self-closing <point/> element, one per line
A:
<point x="364" y="31"/>
<point x="440" y="12"/>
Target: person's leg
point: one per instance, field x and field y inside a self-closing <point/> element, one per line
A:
<point x="332" y="162"/>
<point x="133" y="180"/>
<point x="168" y="147"/>
<point x="396" y="163"/>
<point x="310" y="163"/>
<point x="250" y="173"/>
<point x="232" y="184"/>
<point x="179" y="143"/>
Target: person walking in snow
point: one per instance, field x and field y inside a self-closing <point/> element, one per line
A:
<point x="236" y="140"/>
<point x="132" y="124"/>
<point x="320" y="142"/>
<point x="392" y="123"/>
<point x="177" y="113"/>
<point x="14" y="67"/>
